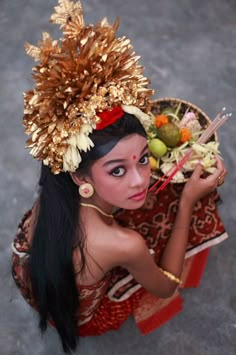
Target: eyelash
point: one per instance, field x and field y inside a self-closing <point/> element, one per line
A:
<point x="145" y="156"/>
<point x="120" y="167"/>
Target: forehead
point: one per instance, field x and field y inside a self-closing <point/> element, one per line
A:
<point x="126" y="148"/>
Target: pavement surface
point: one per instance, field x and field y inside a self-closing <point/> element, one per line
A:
<point x="188" y="48"/>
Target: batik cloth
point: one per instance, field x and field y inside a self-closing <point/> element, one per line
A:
<point x="107" y="304"/>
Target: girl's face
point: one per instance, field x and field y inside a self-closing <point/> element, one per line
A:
<point x="121" y="178"/>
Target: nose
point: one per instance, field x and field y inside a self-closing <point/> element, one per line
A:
<point x="137" y="178"/>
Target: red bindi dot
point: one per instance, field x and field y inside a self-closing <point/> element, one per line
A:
<point x="134" y="157"/>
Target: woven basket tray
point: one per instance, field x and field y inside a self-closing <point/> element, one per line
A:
<point x="160" y="104"/>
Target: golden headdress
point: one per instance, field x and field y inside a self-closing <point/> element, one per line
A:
<point x="86" y="72"/>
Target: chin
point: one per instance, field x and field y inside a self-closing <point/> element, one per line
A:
<point x="134" y="205"/>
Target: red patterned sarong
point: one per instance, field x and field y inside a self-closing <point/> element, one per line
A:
<point x="107" y="304"/>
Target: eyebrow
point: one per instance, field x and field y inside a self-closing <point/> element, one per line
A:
<point x="123" y="160"/>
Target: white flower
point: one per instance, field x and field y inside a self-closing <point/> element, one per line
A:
<point x="166" y="169"/>
<point x="86" y="129"/>
<point x="83" y="142"/>
<point x="72" y="140"/>
<point x="143" y="117"/>
<point x="71" y="159"/>
<point x="77" y="142"/>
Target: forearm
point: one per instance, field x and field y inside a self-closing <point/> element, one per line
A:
<point x="173" y="256"/>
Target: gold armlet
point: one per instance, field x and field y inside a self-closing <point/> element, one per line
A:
<point x="170" y="276"/>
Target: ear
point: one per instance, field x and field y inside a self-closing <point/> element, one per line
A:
<point x="78" y="180"/>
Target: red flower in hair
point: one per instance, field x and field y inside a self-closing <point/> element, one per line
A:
<point x="109" y="117"/>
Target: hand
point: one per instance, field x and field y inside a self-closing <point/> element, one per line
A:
<point x="198" y="187"/>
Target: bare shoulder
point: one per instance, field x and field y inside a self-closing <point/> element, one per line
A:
<point x="131" y="246"/>
<point x="113" y="245"/>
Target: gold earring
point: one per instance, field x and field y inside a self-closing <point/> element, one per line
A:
<point x="86" y="190"/>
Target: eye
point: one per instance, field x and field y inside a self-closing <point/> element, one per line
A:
<point x="144" y="160"/>
<point x="118" y="171"/>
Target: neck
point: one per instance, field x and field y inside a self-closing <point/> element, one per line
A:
<point x="90" y="205"/>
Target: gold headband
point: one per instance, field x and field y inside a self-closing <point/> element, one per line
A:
<point x="88" y="71"/>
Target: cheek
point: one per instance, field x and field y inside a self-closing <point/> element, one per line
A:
<point x="147" y="172"/>
<point x="109" y="187"/>
<point x="103" y="182"/>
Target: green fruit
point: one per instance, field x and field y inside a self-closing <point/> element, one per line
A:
<point x="168" y="111"/>
<point x="157" y="147"/>
<point x="169" y="134"/>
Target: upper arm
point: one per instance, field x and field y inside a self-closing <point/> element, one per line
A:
<point x="137" y="259"/>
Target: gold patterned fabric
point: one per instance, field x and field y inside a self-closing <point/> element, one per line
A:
<point x="108" y="303"/>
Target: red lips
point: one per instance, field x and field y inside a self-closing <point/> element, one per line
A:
<point x="139" y="196"/>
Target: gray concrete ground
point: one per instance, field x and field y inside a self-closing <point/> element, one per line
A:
<point x="188" y="49"/>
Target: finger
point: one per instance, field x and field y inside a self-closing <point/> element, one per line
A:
<point x="219" y="162"/>
<point x="221" y="180"/>
<point x="214" y="177"/>
<point x="198" y="170"/>
<point x="224" y="172"/>
<point x="220" y="168"/>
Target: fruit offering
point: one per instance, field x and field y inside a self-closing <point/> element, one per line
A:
<point x="177" y="126"/>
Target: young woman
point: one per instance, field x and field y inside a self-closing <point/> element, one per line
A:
<point x="72" y="258"/>
<point x="75" y="244"/>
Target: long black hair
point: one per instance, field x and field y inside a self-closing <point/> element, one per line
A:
<point x="58" y="232"/>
